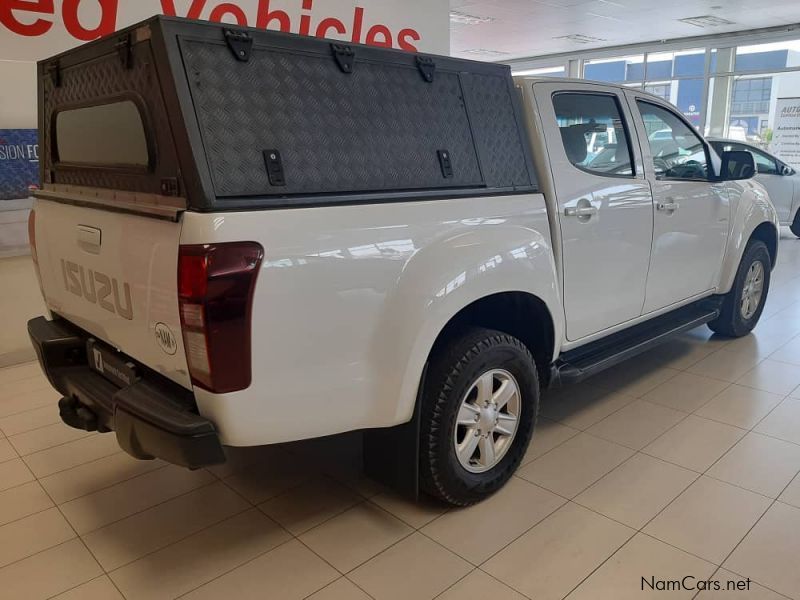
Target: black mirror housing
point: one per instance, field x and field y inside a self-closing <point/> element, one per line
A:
<point x="737" y="165"/>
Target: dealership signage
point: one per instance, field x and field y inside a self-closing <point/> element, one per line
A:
<point x="786" y="131"/>
<point x="19" y="163"/>
<point x="36" y="29"/>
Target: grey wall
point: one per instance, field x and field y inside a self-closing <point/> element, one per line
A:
<point x="17" y="95"/>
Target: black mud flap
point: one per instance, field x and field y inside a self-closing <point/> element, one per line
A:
<point x="391" y="454"/>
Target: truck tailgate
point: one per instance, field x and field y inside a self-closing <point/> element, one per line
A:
<point x="115" y="276"/>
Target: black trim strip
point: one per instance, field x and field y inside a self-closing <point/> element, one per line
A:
<point x="323" y="200"/>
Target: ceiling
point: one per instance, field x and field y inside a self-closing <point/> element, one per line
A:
<point x="508" y="29"/>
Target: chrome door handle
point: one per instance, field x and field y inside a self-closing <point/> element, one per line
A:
<point x="583" y="211"/>
<point x="668" y="206"/>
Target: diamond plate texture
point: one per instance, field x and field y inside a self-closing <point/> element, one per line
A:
<point x="497" y="133"/>
<point x="375" y="130"/>
<point x="101" y="80"/>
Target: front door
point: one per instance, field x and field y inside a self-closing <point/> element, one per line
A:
<point x="692" y="213"/>
<point x="604" y="204"/>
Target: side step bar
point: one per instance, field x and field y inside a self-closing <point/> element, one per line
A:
<point x="576" y="365"/>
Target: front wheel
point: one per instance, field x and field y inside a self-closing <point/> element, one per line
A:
<point x="743" y="305"/>
<point x="795" y="226"/>
<point x="479" y="408"/>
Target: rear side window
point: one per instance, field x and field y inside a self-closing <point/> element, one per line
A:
<point x="593" y="133"/>
<point x="110" y="135"/>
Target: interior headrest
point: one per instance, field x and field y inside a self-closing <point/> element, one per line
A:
<point x="575" y="142"/>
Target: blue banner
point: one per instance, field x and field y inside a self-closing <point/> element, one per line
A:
<point x="19" y="163"/>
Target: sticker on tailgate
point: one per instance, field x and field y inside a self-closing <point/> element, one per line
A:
<point x="110" y="364"/>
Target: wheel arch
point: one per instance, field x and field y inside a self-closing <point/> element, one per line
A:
<point x="520" y="314"/>
<point x="753" y="217"/>
<point x="767" y="233"/>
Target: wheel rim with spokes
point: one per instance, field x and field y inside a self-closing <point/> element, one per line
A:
<point x="487" y="420"/>
<point x="753" y="290"/>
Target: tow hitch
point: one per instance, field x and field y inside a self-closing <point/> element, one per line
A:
<point x="76" y="415"/>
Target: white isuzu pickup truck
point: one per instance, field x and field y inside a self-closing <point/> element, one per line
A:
<point x="245" y="238"/>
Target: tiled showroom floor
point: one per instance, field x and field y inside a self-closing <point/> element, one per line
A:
<point x="683" y="462"/>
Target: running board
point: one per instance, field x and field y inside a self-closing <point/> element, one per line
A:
<point x="576" y="365"/>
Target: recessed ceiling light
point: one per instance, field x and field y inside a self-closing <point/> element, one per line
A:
<point x="580" y="38"/>
<point x="706" y="21"/>
<point x="465" y="19"/>
<point x="484" y="52"/>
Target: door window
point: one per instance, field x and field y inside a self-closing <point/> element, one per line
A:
<point x="677" y="151"/>
<point x="764" y="164"/>
<point x="593" y="133"/>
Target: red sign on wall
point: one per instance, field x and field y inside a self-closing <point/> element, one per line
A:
<point x="34" y="29"/>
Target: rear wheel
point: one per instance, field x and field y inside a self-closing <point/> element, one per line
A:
<point x="742" y="306"/>
<point x="479" y="407"/>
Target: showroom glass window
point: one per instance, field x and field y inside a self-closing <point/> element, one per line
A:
<point x="623" y="69"/>
<point x="677" y="77"/>
<point x="593" y="133"/>
<point x="662" y="90"/>
<point x="558" y="71"/>
<point x="677" y="151"/>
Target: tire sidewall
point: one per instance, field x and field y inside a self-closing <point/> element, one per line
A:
<point x="795" y="226"/>
<point x="756" y="251"/>
<point x="453" y="480"/>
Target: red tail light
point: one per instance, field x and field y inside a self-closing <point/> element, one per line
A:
<point x="32" y="237"/>
<point x="215" y="291"/>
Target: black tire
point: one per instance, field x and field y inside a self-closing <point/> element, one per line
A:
<point x="452" y="372"/>
<point x="795" y="226"/>
<point x="731" y="322"/>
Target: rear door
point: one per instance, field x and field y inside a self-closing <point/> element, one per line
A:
<point x="604" y="203"/>
<point x="107" y="221"/>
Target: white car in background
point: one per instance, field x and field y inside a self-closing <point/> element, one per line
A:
<point x="781" y="180"/>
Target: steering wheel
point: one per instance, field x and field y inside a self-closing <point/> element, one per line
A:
<point x="661" y="165"/>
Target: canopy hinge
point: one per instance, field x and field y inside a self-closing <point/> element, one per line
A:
<point x="125" y="50"/>
<point x="427" y="67"/>
<point x="240" y="43"/>
<point x="345" y="57"/>
<point x="54" y="70"/>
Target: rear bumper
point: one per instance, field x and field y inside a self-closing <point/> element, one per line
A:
<point x="152" y="417"/>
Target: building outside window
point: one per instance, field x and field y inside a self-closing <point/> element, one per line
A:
<point x="662" y="90"/>
<point x="750" y="105"/>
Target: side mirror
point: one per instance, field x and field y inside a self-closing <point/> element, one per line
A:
<point x="786" y="170"/>
<point x="737" y="165"/>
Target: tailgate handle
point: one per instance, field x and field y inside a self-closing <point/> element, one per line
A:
<point x="89" y="236"/>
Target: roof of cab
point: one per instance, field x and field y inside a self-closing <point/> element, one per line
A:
<point x="518" y="79"/>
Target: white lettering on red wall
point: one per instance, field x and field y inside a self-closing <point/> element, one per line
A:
<point x="85" y="20"/>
